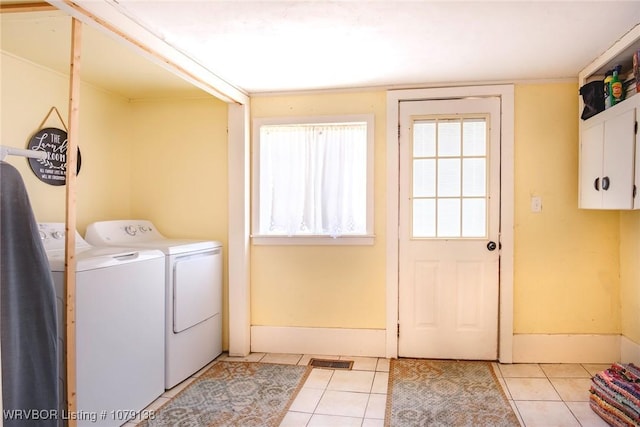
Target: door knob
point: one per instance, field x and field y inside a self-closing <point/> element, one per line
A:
<point x="492" y="246"/>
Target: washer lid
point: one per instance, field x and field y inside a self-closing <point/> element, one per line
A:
<point x="176" y="246"/>
<point x="92" y="258"/>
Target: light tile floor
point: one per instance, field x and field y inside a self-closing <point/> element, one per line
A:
<point x="547" y="395"/>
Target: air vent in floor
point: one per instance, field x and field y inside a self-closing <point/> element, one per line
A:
<point x="331" y="364"/>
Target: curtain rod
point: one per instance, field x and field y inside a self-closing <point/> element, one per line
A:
<point x="12" y="151"/>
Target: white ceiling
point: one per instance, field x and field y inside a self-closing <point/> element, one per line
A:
<point x="275" y="46"/>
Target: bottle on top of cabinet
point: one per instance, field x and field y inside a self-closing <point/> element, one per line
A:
<point x="616" y="92"/>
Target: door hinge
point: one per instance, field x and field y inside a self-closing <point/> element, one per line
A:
<point x="399" y="130"/>
<point x="635" y="128"/>
<point x="398" y="330"/>
<point x="635" y="191"/>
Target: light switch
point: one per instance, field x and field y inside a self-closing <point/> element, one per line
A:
<point x="536" y="204"/>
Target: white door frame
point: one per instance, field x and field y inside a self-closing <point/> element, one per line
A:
<point x="506" y="94"/>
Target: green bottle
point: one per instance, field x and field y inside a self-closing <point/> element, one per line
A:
<point x="616" y="92"/>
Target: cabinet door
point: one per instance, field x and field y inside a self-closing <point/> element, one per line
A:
<point x="618" y="163"/>
<point x="591" y="153"/>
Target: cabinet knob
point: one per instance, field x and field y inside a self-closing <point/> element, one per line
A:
<point x="605" y="183"/>
<point x="492" y="246"/>
<point x="596" y="184"/>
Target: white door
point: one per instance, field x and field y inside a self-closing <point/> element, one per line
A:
<point x="449" y="228"/>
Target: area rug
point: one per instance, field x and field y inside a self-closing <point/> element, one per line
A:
<point x="446" y="393"/>
<point x="233" y="394"/>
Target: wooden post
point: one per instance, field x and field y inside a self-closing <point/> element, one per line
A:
<point x="70" y="225"/>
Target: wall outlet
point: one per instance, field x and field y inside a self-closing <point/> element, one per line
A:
<point x="536" y="204"/>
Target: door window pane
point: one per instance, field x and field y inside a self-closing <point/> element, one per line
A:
<point x="474" y="217"/>
<point x="424" y="178"/>
<point x="449" y="177"/>
<point x="424" y="217"/>
<point x="424" y="138"/>
<point x="449" y="135"/>
<point x="474" y="177"/>
<point x="474" y="137"/>
<point x="448" y="217"/>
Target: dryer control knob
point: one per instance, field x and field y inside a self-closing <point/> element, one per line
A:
<point x="131" y="230"/>
<point x="57" y="235"/>
<point x="43" y="235"/>
<point x="144" y="228"/>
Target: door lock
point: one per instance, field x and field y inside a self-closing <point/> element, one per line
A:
<point x="492" y="246"/>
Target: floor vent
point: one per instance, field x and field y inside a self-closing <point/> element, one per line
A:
<point x="331" y="364"/>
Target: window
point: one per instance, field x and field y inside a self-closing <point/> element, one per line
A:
<point x="313" y="179"/>
<point x="449" y="188"/>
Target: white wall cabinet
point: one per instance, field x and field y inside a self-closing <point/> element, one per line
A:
<point x="609" y="162"/>
<point x="608" y="158"/>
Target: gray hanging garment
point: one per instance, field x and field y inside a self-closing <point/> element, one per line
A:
<point x="27" y="311"/>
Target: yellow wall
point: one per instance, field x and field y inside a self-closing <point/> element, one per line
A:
<point x="103" y="184"/>
<point x="566" y="259"/>
<point x="324" y="286"/>
<point x="179" y="166"/>
<point x="630" y="274"/>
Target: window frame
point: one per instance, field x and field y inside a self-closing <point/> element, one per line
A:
<point x="317" y="239"/>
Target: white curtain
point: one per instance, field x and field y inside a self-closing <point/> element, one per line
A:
<point x="313" y="179"/>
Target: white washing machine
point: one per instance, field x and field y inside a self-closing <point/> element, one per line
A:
<point x="119" y="327"/>
<point x="193" y="285"/>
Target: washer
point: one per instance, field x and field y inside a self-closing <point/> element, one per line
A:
<point x="119" y="310"/>
<point x="193" y="292"/>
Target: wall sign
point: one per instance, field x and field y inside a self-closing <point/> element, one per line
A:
<point x="53" y="169"/>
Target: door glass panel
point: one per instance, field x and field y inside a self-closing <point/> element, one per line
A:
<point x="424" y="217"/>
<point x="449" y="135"/>
<point x="474" y="217"/>
<point x="474" y="137"/>
<point x="474" y="177"/>
<point x="424" y="178"/>
<point x="448" y="218"/>
<point x="449" y="177"/>
<point x="424" y="138"/>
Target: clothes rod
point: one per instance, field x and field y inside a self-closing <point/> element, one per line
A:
<point x="12" y="151"/>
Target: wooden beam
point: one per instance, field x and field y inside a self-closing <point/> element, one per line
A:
<point x="154" y="48"/>
<point x="26" y="7"/>
<point x="70" y="225"/>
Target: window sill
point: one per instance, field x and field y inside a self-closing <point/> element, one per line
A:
<point x="361" y="240"/>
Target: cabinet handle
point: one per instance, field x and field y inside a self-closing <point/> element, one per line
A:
<point x="596" y="184"/>
<point x="605" y="183"/>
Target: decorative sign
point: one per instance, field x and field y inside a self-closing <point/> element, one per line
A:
<point x="53" y="169"/>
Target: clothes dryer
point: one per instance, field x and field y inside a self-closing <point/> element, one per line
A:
<point x="119" y="317"/>
<point x="193" y="292"/>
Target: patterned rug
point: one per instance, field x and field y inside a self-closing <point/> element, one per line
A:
<point x="234" y="394"/>
<point x="446" y="393"/>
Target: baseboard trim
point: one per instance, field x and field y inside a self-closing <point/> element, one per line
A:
<point x="320" y="341"/>
<point x="527" y="348"/>
<point x="560" y="348"/>
<point x="630" y="351"/>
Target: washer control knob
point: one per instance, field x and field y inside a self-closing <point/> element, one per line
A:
<point x="43" y="235"/>
<point x="131" y="230"/>
<point x="143" y="228"/>
<point x="57" y="235"/>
